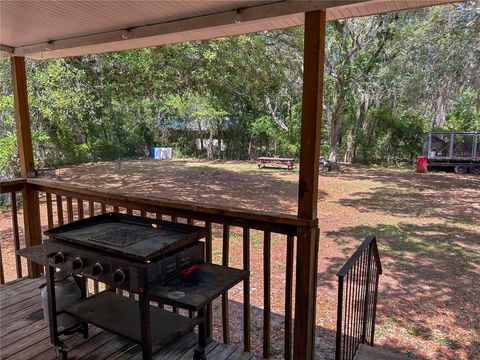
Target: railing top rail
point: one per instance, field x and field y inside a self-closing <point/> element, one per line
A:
<point x="371" y="239"/>
<point x="10" y="185"/>
<point x="280" y="223"/>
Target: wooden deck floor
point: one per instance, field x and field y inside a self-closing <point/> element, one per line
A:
<point x="24" y="334"/>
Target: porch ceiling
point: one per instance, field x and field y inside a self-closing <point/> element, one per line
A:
<point x="45" y="29"/>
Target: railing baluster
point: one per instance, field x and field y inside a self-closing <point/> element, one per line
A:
<point x="369" y="308"/>
<point x="266" y="294"/>
<point x="358" y="303"/>
<point x="370" y="295"/>
<point x="365" y="293"/>
<point x="80" y="209"/>
<point x="91" y="208"/>
<point x="338" y="343"/>
<point x="246" y="290"/>
<point x="16" y="236"/>
<point x="375" y="307"/>
<point x="69" y="209"/>
<point x="2" y="275"/>
<point x="208" y="259"/>
<point x="225" y="258"/>
<point x="352" y="312"/>
<point x="289" y="297"/>
<point x="348" y="285"/>
<point x="91" y="212"/>
<point x="348" y="293"/>
<point x="59" y="210"/>
<point x="367" y="280"/>
<point x="49" y="210"/>
<point x="361" y="299"/>
<point x="355" y="316"/>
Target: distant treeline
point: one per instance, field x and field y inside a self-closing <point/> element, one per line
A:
<point x="389" y="79"/>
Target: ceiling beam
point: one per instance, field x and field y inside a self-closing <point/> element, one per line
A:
<point x="228" y="23"/>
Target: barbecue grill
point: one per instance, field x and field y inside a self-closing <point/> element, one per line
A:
<point x="157" y="260"/>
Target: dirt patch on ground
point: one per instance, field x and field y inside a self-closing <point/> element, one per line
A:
<point x="428" y="228"/>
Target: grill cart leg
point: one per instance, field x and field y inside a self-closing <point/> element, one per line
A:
<point x="84" y="330"/>
<point x="52" y="315"/>
<point x="145" y="329"/>
<point x="61" y="353"/>
<point x="199" y="353"/>
<point x="82" y="284"/>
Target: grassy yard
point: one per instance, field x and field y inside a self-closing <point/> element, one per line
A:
<point x="427" y="225"/>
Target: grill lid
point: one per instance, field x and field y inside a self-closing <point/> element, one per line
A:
<point x="131" y="236"/>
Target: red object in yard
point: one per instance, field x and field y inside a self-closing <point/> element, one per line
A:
<point x="422" y="164"/>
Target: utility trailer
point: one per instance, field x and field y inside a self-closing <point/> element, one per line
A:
<point x="457" y="150"/>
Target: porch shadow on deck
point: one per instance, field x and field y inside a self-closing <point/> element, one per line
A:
<point x="24" y="334"/>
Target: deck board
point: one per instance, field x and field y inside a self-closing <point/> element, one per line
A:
<point x="24" y="335"/>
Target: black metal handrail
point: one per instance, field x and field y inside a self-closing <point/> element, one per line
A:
<point x="357" y="299"/>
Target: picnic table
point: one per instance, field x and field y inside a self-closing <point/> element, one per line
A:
<point x="263" y="162"/>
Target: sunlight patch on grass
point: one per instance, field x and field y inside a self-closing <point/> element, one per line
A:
<point x="439" y="339"/>
<point x="420" y="331"/>
<point x="476" y="345"/>
<point x="388" y="324"/>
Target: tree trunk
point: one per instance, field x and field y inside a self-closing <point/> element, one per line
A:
<point x="350" y="146"/>
<point x="210" y="146"/>
<point x="250" y="147"/>
<point x="440" y="113"/>
<point x="334" y="122"/>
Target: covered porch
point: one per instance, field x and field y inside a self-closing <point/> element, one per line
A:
<point x="27" y="336"/>
<point x="58" y="35"/>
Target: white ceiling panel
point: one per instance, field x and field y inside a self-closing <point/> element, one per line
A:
<point x="45" y="29"/>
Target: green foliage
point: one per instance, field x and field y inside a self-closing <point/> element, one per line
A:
<point x="8" y="159"/>
<point x="465" y="116"/>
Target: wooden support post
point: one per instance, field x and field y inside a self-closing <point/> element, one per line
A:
<point x="31" y="209"/>
<point x="314" y="50"/>
<point x="31" y="219"/>
<point x="22" y="117"/>
<point x="307" y="244"/>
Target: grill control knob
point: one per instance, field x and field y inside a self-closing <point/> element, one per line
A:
<point x="97" y="269"/>
<point x="77" y="264"/>
<point x="119" y="276"/>
<point x="59" y="258"/>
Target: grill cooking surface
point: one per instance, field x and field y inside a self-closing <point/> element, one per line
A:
<point x="123" y="236"/>
<point x="130" y="236"/>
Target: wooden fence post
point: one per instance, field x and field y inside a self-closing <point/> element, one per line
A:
<point x="308" y="238"/>
<point x="31" y="210"/>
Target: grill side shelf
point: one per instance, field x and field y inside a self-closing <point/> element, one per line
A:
<point x="198" y="289"/>
<point x="120" y="315"/>
<point x="33" y="253"/>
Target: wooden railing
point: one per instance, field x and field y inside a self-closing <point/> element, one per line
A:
<point x="61" y="203"/>
<point x="12" y="188"/>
